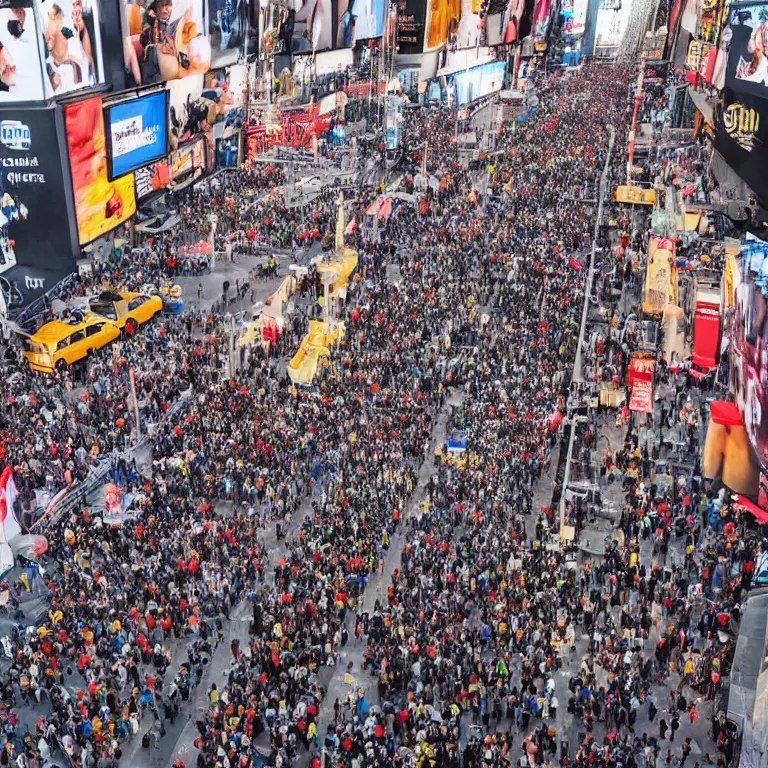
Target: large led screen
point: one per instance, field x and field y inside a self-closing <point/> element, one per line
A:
<point x="72" y="37"/>
<point x="748" y="58"/>
<point x="21" y="54"/>
<point x="137" y="132"/>
<point x="100" y="204"/>
<point x="36" y="249"/>
<point x="165" y="40"/>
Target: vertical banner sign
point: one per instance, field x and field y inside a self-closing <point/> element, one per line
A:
<point x="36" y="248"/>
<point x="706" y="334"/>
<point x="100" y="204"/>
<point x="660" y="278"/>
<point x="640" y="379"/>
<point x="411" y="18"/>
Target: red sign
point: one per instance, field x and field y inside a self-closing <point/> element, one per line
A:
<point x="642" y="397"/>
<point x="640" y="380"/>
<point x="706" y="335"/>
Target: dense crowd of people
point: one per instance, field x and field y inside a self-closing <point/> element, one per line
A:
<point x="478" y="617"/>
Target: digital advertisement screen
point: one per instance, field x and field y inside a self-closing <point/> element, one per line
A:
<point x="411" y="17"/>
<point x="226" y="153"/>
<point x="748" y="338"/>
<point x="227" y="30"/>
<point x="478" y="82"/>
<point x="36" y="248"/>
<point x="165" y="40"/>
<point x="137" y="133"/>
<point x="21" y="54"/>
<point x="574" y="18"/>
<point x="508" y="22"/>
<point x="611" y="25"/>
<point x="748" y="59"/>
<point x="741" y="137"/>
<point x="456" y="24"/>
<point x="100" y="204"/>
<point x="313" y="28"/>
<point x="368" y="18"/>
<point x="151" y="178"/>
<point x="72" y="35"/>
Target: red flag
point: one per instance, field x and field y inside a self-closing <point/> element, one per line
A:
<point x="575" y="264"/>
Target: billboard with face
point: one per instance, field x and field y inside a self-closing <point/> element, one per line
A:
<point x="165" y="40"/>
<point x="72" y="44"/>
<point x="21" y="55"/>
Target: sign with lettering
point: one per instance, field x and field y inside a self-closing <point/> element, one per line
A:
<point x="36" y="217"/>
<point x="137" y="133"/>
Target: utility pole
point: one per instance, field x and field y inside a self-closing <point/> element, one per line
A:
<point x="242" y="144"/>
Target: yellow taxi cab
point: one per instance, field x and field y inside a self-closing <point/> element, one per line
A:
<point x="57" y="344"/>
<point x="127" y="309"/>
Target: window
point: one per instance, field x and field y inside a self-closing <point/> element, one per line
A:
<point x="63" y="344"/>
<point x="75" y="337"/>
<point x="104" y="308"/>
<point x="92" y="330"/>
<point x="136" y="303"/>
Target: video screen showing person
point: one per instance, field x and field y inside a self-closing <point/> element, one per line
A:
<point x="73" y="44"/>
<point x="21" y="75"/>
<point x="749" y="49"/>
<point x="165" y="40"/>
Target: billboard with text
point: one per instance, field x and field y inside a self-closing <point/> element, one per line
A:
<point x="36" y="246"/>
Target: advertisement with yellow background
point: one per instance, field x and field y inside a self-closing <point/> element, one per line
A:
<point x="100" y="204"/>
<point x="660" y="276"/>
<point x="632" y="194"/>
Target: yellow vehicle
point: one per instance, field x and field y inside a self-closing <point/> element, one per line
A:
<point x="57" y="344"/>
<point x="127" y="309"/>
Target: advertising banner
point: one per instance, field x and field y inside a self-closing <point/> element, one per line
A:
<point x="165" y="40"/>
<point x="36" y="221"/>
<point x="368" y="18"/>
<point x="660" y="276"/>
<point x="632" y="194"/>
<point x="227" y="30"/>
<point x="508" y="21"/>
<point x="21" y="55"/>
<point x="728" y="455"/>
<point x="611" y="25"/>
<point x="73" y="44"/>
<point x="640" y="368"/>
<point x="747" y="71"/>
<point x="741" y="137"/>
<point x="226" y="152"/>
<point x="641" y="400"/>
<point x="411" y="18"/>
<point x="151" y="178"/>
<point x="314" y="27"/>
<point x="137" y="133"/>
<point x="479" y="81"/>
<point x="640" y="380"/>
<point x="706" y="335"/>
<point x="181" y="163"/>
<point x="100" y="204"/>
